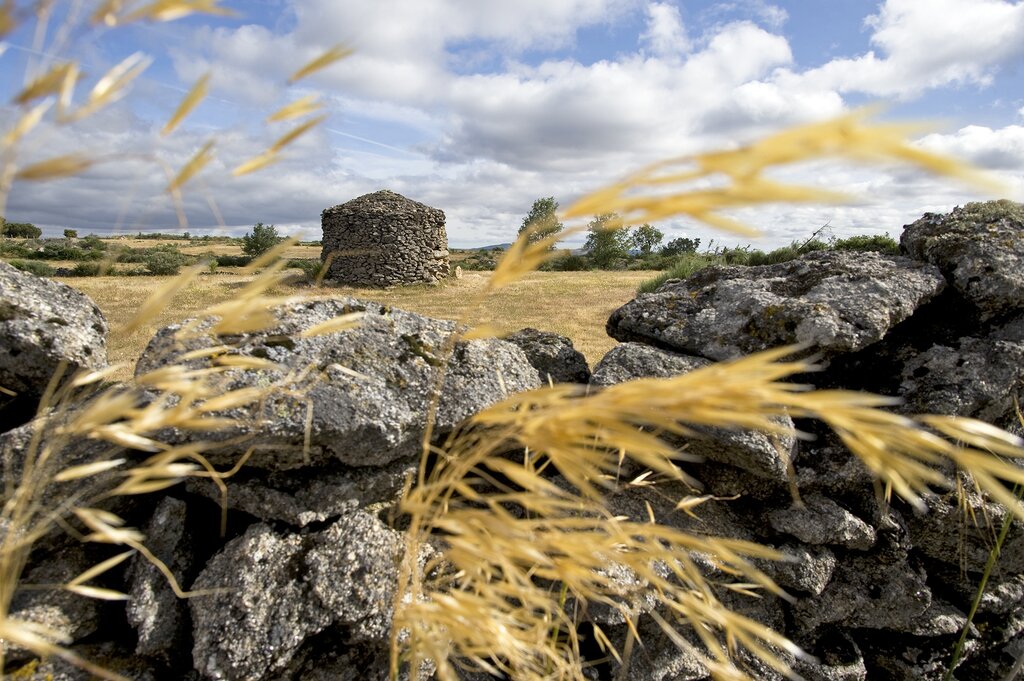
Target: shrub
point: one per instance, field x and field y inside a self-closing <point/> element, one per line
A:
<point x="683" y="267"/>
<point x="570" y="263"/>
<point x="260" y="240"/>
<point x="34" y="266"/>
<point x="163" y="262"/>
<point x="94" y="243"/>
<point x="481" y="260"/>
<point x="16" y="249"/>
<point x="233" y="260"/>
<point x="22" y="230"/>
<point x="310" y="268"/>
<point x="86" y="269"/>
<point x="881" y="243"/>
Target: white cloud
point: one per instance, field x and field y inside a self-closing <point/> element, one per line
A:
<point x="927" y="44"/>
<point x="996" y="149"/>
<point x="665" y="34"/>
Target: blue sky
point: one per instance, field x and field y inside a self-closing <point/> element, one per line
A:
<point x="478" y="107"/>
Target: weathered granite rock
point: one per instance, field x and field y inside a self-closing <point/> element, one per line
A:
<point x="285" y="588"/>
<point x="833" y="301"/>
<point x="945" y="533"/>
<point x="980" y="249"/>
<point x="156" y="612"/>
<point x="865" y="593"/>
<point x="72" y="615"/>
<point x="836" y="657"/>
<point x="369" y="387"/>
<point x="552" y="355"/>
<point x="809" y="569"/>
<point x="823" y="521"/>
<point x="765" y="455"/>
<point x="309" y="495"/>
<point x="978" y="377"/>
<point x="42" y="324"/>
<point x="627" y="361"/>
<point x="384" y="239"/>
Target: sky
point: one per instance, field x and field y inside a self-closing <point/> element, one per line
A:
<point x="479" y="107"/>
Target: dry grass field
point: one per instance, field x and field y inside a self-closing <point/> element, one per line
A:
<point x="575" y="304"/>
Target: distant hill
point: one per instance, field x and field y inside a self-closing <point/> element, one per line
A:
<point x="493" y="247"/>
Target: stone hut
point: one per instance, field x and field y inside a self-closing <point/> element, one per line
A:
<point x="384" y="239"/>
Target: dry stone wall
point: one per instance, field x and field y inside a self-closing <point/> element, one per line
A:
<point x="305" y="573"/>
<point x="384" y="239"/>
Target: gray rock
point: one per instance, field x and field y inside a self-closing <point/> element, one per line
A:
<point x="552" y="355"/>
<point x="836" y="657"/>
<point x="947" y="534"/>
<point x="765" y="455"/>
<point x="42" y="324"/>
<point x="980" y="378"/>
<point x="834" y="301"/>
<point x="822" y="521"/>
<point x="809" y="569"/>
<point x="369" y="419"/>
<point x="156" y="612"/>
<point x="980" y="249"/>
<point x="283" y="589"/>
<point x="940" y="619"/>
<point x="865" y="593"/>
<point x="72" y="615"/>
<point x="628" y="361"/>
<point x="310" y="495"/>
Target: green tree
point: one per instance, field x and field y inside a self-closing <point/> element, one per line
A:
<point x="647" y="238"/>
<point x="70" y="233"/>
<point x="680" y="245"/>
<point x="22" y="230"/>
<point x="607" y="241"/>
<point x="260" y="240"/>
<point x="543" y="219"/>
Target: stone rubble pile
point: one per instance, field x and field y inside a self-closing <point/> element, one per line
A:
<point x="302" y="582"/>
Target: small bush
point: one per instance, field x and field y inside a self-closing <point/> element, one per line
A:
<point x="881" y="243"/>
<point x="93" y="242"/>
<point x="480" y="260"/>
<point x="161" y="263"/>
<point x="233" y="260"/>
<point x="34" y="266"/>
<point x="15" y="249"/>
<point x="570" y="263"/>
<point x="684" y="267"/>
<point x="784" y="254"/>
<point x="310" y="268"/>
<point x="86" y="269"/>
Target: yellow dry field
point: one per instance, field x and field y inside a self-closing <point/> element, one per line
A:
<point x="574" y="304"/>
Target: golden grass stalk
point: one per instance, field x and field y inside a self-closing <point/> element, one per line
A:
<point x="54" y="168"/>
<point x="296" y="109"/>
<point x="642" y="197"/>
<point x="191" y="100"/>
<point x="336" y="53"/>
<point x="198" y="161"/>
<point x="109" y="88"/>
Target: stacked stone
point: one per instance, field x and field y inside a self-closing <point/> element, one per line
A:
<point x="384" y="239"/>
